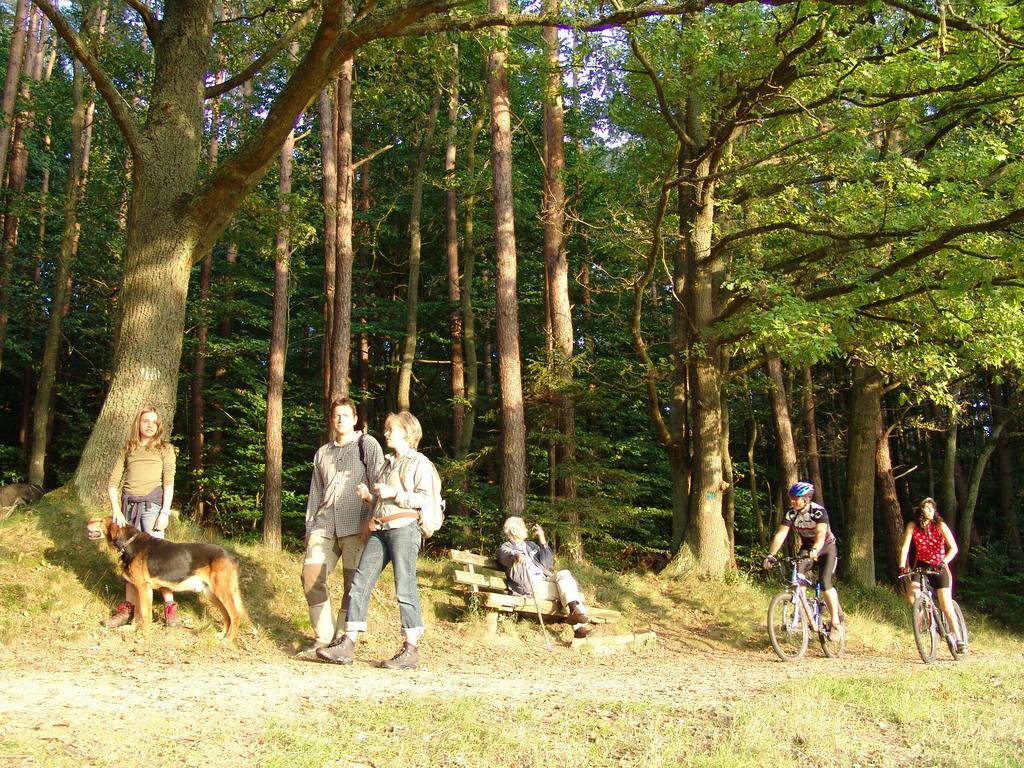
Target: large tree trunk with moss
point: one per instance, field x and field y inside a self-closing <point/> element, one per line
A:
<point x="172" y="222"/>
<point x="513" y="416"/>
<point x="707" y="540"/>
<point x="865" y="412"/>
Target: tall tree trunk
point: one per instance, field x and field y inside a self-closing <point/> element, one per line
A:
<point x="513" y="416"/>
<point x="466" y="296"/>
<point x="15" y="55"/>
<point x="364" y="265"/>
<point x="965" y="524"/>
<point x="729" y="498"/>
<point x="706" y="537"/>
<point x="1004" y="472"/>
<point x="412" y="292"/>
<point x="811" y="430"/>
<point x="784" y="443"/>
<point x="559" y="304"/>
<point x="341" y="332"/>
<point x="888" y="501"/>
<point x="451" y="219"/>
<point x="77" y="172"/>
<point x="197" y="411"/>
<point x="278" y="356"/>
<point x="160" y="246"/>
<point x="865" y="412"/>
<point x="755" y="506"/>
<point x="950" y="505"/>
<point x="329" y="163"/>
<point x="19" y="168"/>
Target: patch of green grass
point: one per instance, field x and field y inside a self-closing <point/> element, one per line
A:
<point x="950" y="716"/>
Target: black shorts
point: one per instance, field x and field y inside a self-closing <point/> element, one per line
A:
<point x="828" y="560"/>
<point x="941" y="580"/>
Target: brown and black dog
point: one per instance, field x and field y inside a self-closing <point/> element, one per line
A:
<point x="148" y="563"/>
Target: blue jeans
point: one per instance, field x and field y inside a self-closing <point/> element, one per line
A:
<point x="400" y="547"/>
<point x="147" y="519"/>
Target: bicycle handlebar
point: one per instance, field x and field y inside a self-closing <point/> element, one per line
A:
<point x="922" y="570"/>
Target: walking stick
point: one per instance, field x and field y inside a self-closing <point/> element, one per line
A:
<point x="540" y="618"/>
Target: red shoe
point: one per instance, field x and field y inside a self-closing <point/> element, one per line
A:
<point x="123" y="615"/>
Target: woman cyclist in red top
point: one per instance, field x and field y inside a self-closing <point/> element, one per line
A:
<point x="934" y="546"/>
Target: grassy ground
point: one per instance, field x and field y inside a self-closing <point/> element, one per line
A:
<point x="710" y="693"/>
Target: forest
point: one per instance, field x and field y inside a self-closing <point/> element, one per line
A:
<point x="636" y="268"/>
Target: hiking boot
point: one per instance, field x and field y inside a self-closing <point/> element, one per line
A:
<point x="576" y="614"/>
<point x="408" y="657"/>
<point x="123" y="615"/>
<point x="171" y="614"/>
<point x="309" y="652"/>
<point x="341" y="651"/>
<point x="582" y="631"/>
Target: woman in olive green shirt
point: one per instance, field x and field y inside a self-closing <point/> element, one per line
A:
<point x="146" y="465"/>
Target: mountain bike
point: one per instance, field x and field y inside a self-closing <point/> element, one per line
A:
<point x="930" y="622"/>
<point x="795" y="613"/>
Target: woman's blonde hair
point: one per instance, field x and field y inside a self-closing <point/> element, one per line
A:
<point x="134" y="440"/>
<point x="409" y="424"/>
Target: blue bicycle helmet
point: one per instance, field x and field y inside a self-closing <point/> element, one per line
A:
<point x="799" y="490"/>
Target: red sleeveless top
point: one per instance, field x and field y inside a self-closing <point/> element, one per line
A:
<point x="929" y="545"/>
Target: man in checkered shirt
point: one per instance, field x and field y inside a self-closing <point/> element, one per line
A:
<point x="336" y="515"/>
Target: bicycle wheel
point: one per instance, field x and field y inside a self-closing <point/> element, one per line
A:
<point x="925" y="634"/>
<point x="832" y="639"/>
<point x="787" y="627"/>
<point x="961" y="633"/>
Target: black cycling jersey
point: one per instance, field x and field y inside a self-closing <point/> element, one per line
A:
<point x="806" y="523"/>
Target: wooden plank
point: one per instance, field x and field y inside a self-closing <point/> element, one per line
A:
<point x="611" y="641"/>
<point x="471" y="558"/>
<point x="467" y="579"/>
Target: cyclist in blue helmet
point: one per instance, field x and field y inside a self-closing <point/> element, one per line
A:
<point x="816" y="542"/>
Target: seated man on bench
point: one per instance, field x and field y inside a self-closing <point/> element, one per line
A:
<point x="528" y="570"/>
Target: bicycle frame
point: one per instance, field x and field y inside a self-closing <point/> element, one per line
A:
<point x="793" y="615"/>
<point x="798" y="584"/>
<point x="935" y="623"/>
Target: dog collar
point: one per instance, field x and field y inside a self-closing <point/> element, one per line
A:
<point x="122" y="548"/>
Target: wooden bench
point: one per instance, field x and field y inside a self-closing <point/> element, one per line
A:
<point x="481" y="580"/>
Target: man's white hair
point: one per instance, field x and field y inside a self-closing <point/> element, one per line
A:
<point x="513" y="524"/>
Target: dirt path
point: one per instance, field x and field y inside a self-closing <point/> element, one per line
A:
<point x="74" y="704"/>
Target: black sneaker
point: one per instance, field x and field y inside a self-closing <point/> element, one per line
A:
<point x="408" y="657"/>
<point x="341" y="651"/>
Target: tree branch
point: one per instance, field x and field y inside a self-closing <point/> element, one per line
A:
<point x="151" y="21"/>
<point x="290" y="34"/>
<point x="120" y="109"/>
